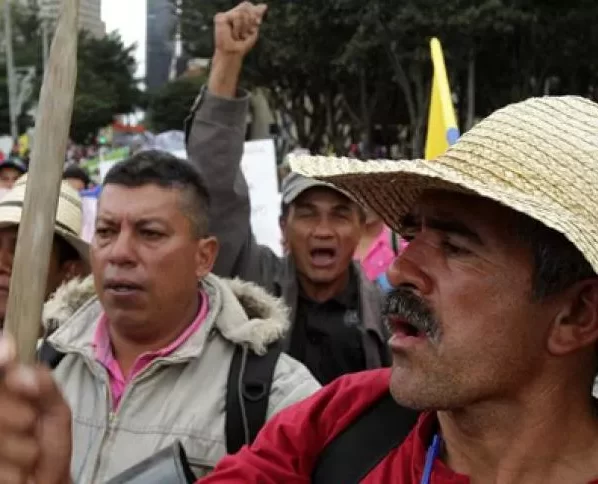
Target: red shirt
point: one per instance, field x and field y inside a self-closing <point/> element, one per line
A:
<point x="287" y="447"/>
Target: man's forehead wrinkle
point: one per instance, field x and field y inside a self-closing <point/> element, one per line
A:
<point x="441" y="218"/>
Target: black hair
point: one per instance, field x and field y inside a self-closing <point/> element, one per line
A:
<point x="77" y="173"/>
<point x="167" y="171"/>
<point x="557" y="263"/>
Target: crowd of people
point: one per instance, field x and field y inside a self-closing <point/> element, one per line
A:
<point x="175" y="348"/>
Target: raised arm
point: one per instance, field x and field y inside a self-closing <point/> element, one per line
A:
<point x="215" y="137"/>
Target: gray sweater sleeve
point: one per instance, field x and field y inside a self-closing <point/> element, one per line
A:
<point x="215" y="137"/>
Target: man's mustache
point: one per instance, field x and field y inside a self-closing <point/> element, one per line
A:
<point x="405" y="305"/>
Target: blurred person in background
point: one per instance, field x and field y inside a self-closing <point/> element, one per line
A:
<point x="11" y="170"/>
<point x="378" y="246"/>
<point x="76" y="177"/>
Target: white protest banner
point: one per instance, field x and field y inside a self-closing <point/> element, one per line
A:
<point x="259" y="167"/>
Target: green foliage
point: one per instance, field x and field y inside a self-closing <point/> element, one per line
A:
<point x="343" y="71"/>
<point x="169" y="106"/>
<point x="106" y="84"/>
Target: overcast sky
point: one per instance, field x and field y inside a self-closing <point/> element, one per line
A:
<point x="128" y="18"/>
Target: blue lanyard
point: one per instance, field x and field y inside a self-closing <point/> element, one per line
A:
<point x="431" y="455"/>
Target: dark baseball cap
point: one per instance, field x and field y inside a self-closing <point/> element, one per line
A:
<point x="295" y="184"/>
<point x="14" y="162"/>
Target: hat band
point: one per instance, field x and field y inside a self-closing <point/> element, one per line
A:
<point x="57" y="223"/>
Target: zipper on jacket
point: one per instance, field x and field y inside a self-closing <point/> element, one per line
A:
<point x="145" y="374"/>
<point x="110" y="417"/>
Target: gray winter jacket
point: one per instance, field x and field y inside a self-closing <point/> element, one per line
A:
<point x="215" y="136"/>
<point x="180" y="396"/>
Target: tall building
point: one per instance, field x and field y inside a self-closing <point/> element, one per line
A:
<point x="160" y="43"/>
<point x="90" y="15"/>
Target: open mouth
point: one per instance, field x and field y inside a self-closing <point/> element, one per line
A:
<point x="322" y="257"/>
<point x="404" y="329"/>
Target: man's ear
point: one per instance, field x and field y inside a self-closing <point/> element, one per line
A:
<point x="205" y="256"/>
<point x="576" y="323"/>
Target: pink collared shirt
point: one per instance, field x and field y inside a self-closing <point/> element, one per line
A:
<point x="103" y="351"/>
<point x="380" y="254"/>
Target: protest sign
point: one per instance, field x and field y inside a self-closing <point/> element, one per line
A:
<point x="100" y="165"/>
<point x="259" y="167"/>
<point x="89" y="202"/>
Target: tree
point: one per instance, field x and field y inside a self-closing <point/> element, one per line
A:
<point x="340" y="70"/>
<point x="106" y="85"/>
<point x="169" y="106"/>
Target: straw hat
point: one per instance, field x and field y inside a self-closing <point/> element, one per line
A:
<point x="539" y="157"/>
<point x="69" y="214"/>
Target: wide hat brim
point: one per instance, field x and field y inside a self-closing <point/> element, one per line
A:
<point x="11" y="217"/>
<point x="69" y="214"/>
<point x="538" y="157"/>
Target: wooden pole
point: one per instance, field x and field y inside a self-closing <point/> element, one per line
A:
<point x="36" y="230"/>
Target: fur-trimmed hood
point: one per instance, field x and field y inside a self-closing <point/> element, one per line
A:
<point x="267" y="317"/>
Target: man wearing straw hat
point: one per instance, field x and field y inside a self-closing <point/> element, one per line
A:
<point x="70" y="254"/>
<point x="494" y="322"/>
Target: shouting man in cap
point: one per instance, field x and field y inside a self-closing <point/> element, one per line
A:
<point x="335" y="309"/>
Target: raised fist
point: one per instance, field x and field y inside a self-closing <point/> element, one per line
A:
<point x="236" y="31"/>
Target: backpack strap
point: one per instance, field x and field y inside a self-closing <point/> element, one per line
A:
<point x="248" y="391"/>
<point x="49" y="355"/>
<point x="361" y="446"/>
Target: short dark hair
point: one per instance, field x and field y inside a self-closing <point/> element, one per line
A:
<point x="66" y="252"/>
<point x="557" y="263"/>
<point x="77" y="173"/>
<point x="167" y="171"/>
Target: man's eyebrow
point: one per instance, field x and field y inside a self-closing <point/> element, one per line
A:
<point x="447" y="225"/>
<point x="150" y="220"/>
<point x="304" y="204"/>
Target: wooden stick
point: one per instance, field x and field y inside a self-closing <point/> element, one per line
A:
<point x="36" y="230"/>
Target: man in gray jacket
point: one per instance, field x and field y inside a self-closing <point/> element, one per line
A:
<point x="335" y="311"/>
<point x="147" y="351"/>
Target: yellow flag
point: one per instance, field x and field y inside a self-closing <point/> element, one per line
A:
<point x="442" y="123"/>
<point x="23" y="144"/>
